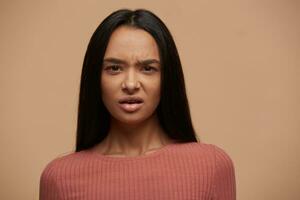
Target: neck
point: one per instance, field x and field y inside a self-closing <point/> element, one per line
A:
<point x="134" y="139"/>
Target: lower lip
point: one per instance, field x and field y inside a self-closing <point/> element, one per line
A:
<point x="131" y="107"/>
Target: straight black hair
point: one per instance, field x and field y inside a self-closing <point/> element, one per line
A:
<point x="173" y="112"/>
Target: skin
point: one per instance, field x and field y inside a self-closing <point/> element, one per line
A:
<point x="132" y="133"/>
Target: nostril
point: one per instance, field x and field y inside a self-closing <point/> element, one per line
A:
<point x="131" y="85"/>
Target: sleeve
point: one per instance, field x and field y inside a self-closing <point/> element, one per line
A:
<point x="49" y="189"/>
<point x="224" y="176"/>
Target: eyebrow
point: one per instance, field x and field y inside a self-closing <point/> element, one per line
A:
<point x="139" y="62"/>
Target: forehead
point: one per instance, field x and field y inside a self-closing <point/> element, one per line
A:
<point x="132" y="43"/>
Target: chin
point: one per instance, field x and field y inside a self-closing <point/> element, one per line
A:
<point x="132" y="118"/>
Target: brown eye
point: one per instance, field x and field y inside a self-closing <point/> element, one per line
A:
<point x="149" y="68"/>
<point x="113" y="68"/>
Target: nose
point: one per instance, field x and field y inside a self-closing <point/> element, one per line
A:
<point x="131" y="82"/>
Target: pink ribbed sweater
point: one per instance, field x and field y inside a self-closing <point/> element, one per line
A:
<point x="187" y="171"/>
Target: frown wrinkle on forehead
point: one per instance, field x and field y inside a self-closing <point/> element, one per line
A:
<point x="111" y="60"/>
<point x="131" y="45"/>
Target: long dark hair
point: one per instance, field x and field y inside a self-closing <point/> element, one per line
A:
<point x="173" y="110"/>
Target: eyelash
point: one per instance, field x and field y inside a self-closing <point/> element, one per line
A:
<point x="110" y="67"/>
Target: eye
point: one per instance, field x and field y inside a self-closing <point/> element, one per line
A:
<point x="149" y="68"/>
<point x="112" y="68"/>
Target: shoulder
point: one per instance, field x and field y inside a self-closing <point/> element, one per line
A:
<point x="206" y="148"/>
<point x="222" y="161"/>
<point x="214" y="153"/>
<point x="55" y="167"/>
<point x="53" y="175"/>
<point x="213" y="149"/>
<point x="223" y="173"/>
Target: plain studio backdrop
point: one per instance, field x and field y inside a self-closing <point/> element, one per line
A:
<point x="241" y="61"/>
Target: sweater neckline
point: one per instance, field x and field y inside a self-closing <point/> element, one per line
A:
<point x="130" y="158"/>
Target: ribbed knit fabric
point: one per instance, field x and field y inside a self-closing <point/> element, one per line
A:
<point x="187" y="171"/>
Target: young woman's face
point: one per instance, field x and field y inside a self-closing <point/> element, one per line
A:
<point x="131" y="68"/>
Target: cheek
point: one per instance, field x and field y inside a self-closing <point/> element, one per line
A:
<point x="154" y="91"/>
<point x="108" y="88"/>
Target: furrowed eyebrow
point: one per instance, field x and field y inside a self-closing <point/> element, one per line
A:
<point x="140" y="62"/>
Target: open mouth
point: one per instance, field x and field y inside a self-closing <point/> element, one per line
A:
<point x="131" y="102"/>
<point x="131" y="105"/>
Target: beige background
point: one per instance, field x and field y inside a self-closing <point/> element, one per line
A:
<point x="241" y="61"/>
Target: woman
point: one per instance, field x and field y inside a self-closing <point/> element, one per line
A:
<point x="135" y="138"/>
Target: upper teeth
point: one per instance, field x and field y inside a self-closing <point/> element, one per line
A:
<point x="131" y="101"/>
